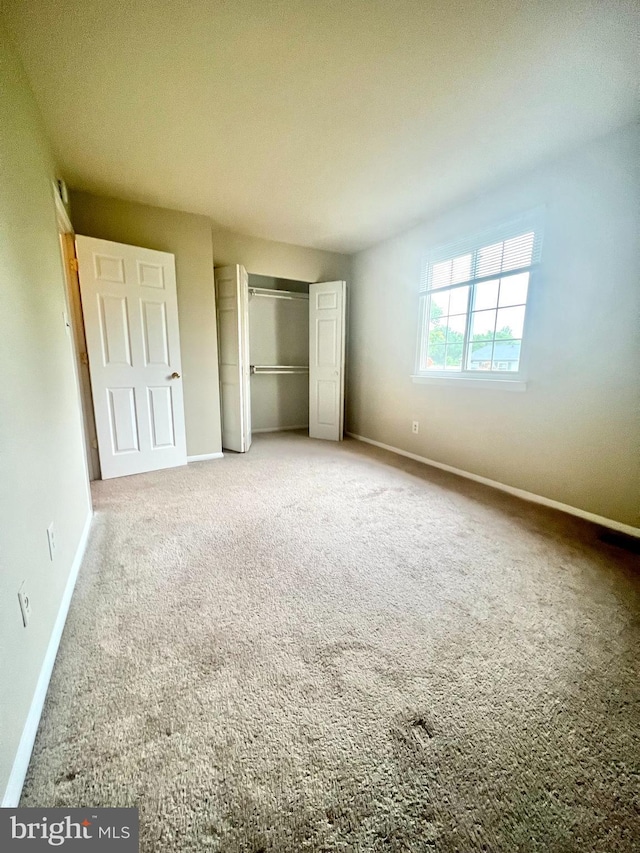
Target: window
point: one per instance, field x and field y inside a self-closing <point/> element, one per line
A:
<point x="473" y="302"/>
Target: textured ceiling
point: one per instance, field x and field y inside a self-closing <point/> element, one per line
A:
<point x="328" y="124"/>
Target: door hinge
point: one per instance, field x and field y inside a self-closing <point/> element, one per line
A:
<point x="84" y="358"/>
<point x="94" y="443"/>
<point x="73" y="264"/>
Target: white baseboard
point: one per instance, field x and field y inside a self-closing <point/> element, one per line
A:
<point x="204" y="456"/>
<point x="11" y="796"/>
<point x="518" y="493"/>
<point x="280" y="429"/>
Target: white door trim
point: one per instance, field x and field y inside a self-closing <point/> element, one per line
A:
<point x="204" y="456"/>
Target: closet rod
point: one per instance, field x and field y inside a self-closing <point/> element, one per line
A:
<point x="279" y="368"/>
<point x="277" y="294"/>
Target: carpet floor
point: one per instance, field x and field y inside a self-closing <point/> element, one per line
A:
<point x="323" y="647"/>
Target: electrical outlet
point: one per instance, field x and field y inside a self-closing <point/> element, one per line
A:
<point x="415" y="427"/>
<point x="51" y="536"/>
<point x="25" y="604"/>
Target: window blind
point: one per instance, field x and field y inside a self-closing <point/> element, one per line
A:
<point x="512" y="245"/>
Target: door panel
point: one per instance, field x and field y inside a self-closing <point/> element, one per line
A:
<point x="326" y="402"/>
<point x="114" y="325"/>
<point x="327" y="305"/>
<point x="124" y="421"/>
<point x="150" y="275"/>
<point x="156" y="336"/>
<point x="326" y="343"/>
<point x="161" y="413"/>
<point x="130" y="314"/>
<point x="108" y="268"/>
<point x="326" y="301"/>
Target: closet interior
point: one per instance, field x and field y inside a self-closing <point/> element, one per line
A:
<point x="278" y="353"/>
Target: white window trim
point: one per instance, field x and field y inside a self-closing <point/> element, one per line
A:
<point x="497" y="380"/>
<point x="503" y="380"/>
<point x="463" y="380"/>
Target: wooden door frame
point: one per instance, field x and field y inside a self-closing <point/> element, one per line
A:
<point x="76" y="322"/>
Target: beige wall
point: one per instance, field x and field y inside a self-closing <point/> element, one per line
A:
<point x="280" y="260"/>
<point x="42" y="464"/>
<point x="188" y="237"/>
<point x="574" y="435"/>
<point x="198" y="245"/>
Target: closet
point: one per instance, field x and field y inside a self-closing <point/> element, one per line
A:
<point x="278" y="354"/>
<point x="281" y="354"/>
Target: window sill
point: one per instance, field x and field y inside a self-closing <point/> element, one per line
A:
<point x="472" y="382"/>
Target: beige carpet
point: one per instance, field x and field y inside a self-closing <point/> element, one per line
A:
<point x="321" y="647"/>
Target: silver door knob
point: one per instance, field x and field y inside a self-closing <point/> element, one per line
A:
<point x="174" y="375"/>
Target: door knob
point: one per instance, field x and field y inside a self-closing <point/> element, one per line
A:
<point x="174" y="375"/>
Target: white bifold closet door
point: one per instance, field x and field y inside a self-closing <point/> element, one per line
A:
<point x="130" y="312"/>
<point x="327" y="307"/>
<point x="327" y="311"/>
<point x="232" y="295"/>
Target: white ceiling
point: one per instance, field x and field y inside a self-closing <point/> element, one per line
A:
<point x="328" y="123"/>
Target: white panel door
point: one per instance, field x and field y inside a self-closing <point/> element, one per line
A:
<point x="327" y="307"/>
<point x="232" y="300"/>
<point x="130" y="314"/>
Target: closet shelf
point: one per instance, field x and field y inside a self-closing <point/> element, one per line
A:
<point x="279" y="368"/>
<point x="277" y="294"/>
